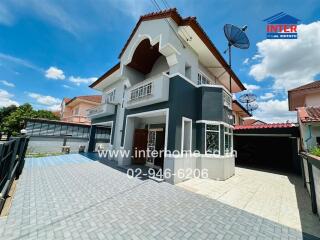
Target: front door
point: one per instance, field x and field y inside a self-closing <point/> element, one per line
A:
<point x="140" y="141"/>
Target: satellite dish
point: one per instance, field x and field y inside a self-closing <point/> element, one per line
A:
<point x="252" y="107"/>
<point x="249" y="99"/>
<point x="236" y="37"/>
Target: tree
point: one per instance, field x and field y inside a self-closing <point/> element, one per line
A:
<point x="13" y="122"/>
<point x="5" y="111"/>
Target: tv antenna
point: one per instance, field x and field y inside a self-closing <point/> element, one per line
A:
<point x="249" y="100"/>
<point x="236" y="37"/>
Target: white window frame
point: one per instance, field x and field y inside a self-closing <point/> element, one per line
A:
<point x="205" y="137"/>
<point x="226" y="103"/>
<point x="229" y="132"/>
<point x="184" y="119"/>
<point x="107" y="95"/>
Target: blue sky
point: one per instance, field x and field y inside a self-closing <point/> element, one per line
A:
<point x="52" y="49"/>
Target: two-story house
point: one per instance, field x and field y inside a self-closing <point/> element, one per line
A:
<point x="306" y="101"/>
<point x="170" y="91"/>
<point x="75" y="110"/>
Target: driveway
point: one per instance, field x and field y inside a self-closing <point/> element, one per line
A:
<point x="275" y="196"/>
<point x="73" y="197"/>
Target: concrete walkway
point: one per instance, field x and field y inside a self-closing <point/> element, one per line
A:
<point x="73" y="197"/>
<point x="273" y="196"/>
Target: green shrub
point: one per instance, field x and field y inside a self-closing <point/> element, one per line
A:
<point x="315" y="151"/>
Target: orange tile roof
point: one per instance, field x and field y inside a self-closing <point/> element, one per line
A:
<point x="309" y="114"/>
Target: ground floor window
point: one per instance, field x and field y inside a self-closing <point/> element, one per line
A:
<point x="186" y="140"/>
<point x="228" y="140"/>
<point x="212" y="143"/>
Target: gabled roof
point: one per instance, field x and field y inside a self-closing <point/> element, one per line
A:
<point x="309" y="114"/>
<point x="90" y="98"/>
<point x="315" y="84"/>
<point x="66" y="99"/>
<point x="188" y="21"/>
<point x="252" y="121"/>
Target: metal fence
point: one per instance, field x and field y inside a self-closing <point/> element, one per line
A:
<point x="48" y="136"/>
<point x="311" y="176"/>
<point x="12" y="155"/>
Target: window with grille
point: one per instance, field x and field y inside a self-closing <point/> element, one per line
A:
<point x="203" y="79"/>
<point x="227" y="100"/>
<point x="110" y="96"/>
<point x="212" y="139"/>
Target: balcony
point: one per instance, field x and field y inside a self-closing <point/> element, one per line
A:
<point x="150" y="91"/>
<point x="105" y="109"/>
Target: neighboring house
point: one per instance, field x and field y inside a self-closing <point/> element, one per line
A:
<point x="75" y="110"/>
<point x="304" y="96"/>
<point x="239" y="113"/>
<point x="170" y="91"/>
<point x="306" y="101"/>
<point x="252" y="121"/>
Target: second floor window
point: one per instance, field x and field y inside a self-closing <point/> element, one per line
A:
<point x="76" y="111"/>
<point x="110" y="96"/>
<point x="202" y="79"/>
<point x="227" y="100"/>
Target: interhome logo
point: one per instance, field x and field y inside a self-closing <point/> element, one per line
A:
<point x="282" y="26"/>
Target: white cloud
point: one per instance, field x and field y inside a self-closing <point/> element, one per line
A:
<point x="6" y="83"/>
<point x="251" y="87"/>
<point x="19" y="61"/>
<point x="75" y="20"/>
<point x="66" y="86"/>
<point x="55" y="73"/>
<point x="79" y="80"/>
<point x="5" y="99"/>
<point x="246" y="61"/>
<point x="55" y="107"/>
<point x="290" y="63"/>
<point x="267" y="96"/>
<point x="274" y="111"/>
<point x="48" y="101"/>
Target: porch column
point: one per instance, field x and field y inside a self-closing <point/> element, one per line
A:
<point x="92" y="141"/>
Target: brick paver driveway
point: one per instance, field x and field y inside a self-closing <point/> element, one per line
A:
<point x="73" y="197"/>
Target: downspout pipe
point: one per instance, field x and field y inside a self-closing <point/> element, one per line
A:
<point x="310" y="135"/>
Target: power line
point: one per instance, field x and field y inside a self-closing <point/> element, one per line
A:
<point x="168" y="22"/>
<point x="184" y="32"/>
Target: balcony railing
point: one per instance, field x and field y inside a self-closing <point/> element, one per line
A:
<point x="150" y="91"/>
<point x="105" y="109"/>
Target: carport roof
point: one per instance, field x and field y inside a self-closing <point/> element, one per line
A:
<point x="265" y="126"/>
<point x="270" y="129"/>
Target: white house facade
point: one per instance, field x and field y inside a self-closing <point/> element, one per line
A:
<point x="170" y="91"/>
